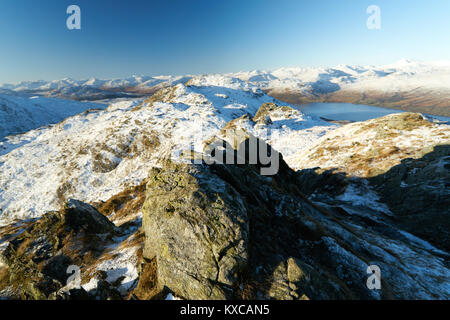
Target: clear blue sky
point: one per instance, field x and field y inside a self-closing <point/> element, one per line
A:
<point x="122" y="38"/>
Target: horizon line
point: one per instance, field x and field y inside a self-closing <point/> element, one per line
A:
<point x="399" y="61"/>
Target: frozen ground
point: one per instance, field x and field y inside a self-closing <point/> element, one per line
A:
<point x="95" y="155"/>
<point x="19" y="114"/>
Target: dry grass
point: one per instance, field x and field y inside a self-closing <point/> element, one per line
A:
<point x="147" y="287"/>
<point x="125" y="205"/>
<point x="162" y="95"/>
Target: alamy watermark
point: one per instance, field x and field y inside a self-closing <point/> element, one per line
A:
<point x="374" y="279"/>
<point x="74" y="280"/>
<point x="235" y="147"/>
<point x="73" y="22"/>
<point x="374" y="20"/>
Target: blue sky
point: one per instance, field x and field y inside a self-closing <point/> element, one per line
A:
<point x="122" y="38"/>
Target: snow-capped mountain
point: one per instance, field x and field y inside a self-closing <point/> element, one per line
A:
<point x="96" y="89"/>
<point x="400" y="76"/>
<point x="19" y="114"/>
<point x="407" y="85"/>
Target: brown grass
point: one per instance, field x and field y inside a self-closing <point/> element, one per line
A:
<point x="126" y="203"/>
<point x="147" y="287"/>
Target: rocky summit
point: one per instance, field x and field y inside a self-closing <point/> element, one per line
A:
<point x="226" y="232"/>
<point x="163" y="197"/>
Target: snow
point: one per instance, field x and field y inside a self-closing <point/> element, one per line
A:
<point x="339" y="146"/>
<point x="124" y="264"/>
<point x="119" y="260"/>
<point x="404" y="75"/>
<point x="21" y="114"/>
<point x="95" y="155"/>
<point x="91" y="285"/>
<point x="401" y="76"/>
<point x="363" y="195"/>
<point x="67" y="82"/>
<point x="74" y="88"/>
<point x="411" y="264"/>
<point x="171" y="297"/>
<point x="92" y="156"/>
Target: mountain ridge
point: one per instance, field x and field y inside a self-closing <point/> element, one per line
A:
<point x="406" y="85"/>
<point x="133" y="164"/>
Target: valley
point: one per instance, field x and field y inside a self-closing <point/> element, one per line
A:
<point x="404" y="85"/>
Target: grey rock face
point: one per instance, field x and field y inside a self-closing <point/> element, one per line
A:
<point x="198" y="230"/>
<point x="35" y="261"/>
<point x="82" y="215"/>
<point x="418" y="193"/>
<point x="225" y="231"/>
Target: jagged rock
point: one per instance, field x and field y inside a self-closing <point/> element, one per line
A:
<point x="217" y="229"/>
<point x="321" y="181"/>
<point x="105" y="290"/>
<point x="220" y="231"/>
<point x="82" y="215"/>
<point x="196" y="220"/>
<point x="197" y="229"/>
<point x="403" y="157"/>
<point x="417" y="191"/>
<point x="294" y="271"/>
<point x="36" y="261"/>
<point x="269" y="109"/>
<point x="72" y="294"/>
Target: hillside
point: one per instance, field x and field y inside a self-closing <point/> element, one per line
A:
<point x="96" y="89"/>
<point x="19" y="114"/>
<point x="405" y="85"/>
<point x="130" y="195"/>
<point x="95" y="155"/>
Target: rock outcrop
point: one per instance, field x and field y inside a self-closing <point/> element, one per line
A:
<point x="403" y="158"/>
<point x="36" y="260"/>
<point x="216" y="229"/>
<point x="202" y="231"/>
<point x="226" y="231"/>
<point x="418" y="192"/>
<point x="370" y="148"/>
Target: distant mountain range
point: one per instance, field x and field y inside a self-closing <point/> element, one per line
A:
<point x="95" y="89"/>
<point x="406" y="85"/>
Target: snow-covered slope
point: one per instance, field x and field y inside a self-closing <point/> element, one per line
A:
<point x="96" y="89"/>
<point x="19" y="114"/>
<point x="410" y="85"/>
<point x="94" y="156"/>
<point x="104" y="157"/>
<point x="370" y="148"/>
<point x="403" y="75"/>
<point x="406" y="85"/>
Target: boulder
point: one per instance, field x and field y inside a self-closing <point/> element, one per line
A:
<point x="36" y="260"/>
<point x="225" y="231"/>
<point x="80" y="215"/>
<point x="197" y="228"/>
<point x="417" y="192"/>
